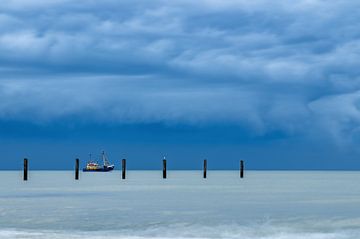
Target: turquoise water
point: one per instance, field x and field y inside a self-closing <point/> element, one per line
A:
<point x="265" y="204"/>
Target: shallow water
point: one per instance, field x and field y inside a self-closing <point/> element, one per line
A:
<point x="265" y="204"/>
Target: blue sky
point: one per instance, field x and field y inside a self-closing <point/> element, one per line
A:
<point x="276" y="84"/>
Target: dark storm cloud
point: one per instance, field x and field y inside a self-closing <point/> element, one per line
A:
<point x="284" y="65"/>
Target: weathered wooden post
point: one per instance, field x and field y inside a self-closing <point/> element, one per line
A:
<point x="25" y="169"/>
<point x="164" y="168"/>
<point x="123" y="164"/>
<point x="241" y="168"/>
<point x="76" y="169"/>
<point x="205" y="167"/>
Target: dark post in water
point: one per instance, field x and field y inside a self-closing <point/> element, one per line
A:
<point x="164" y="168"/>
<point x="241" y="169"/>
<point x="205" y="167"/>
<point x="76" y="169"/>
<point x="25" y="169"/>
<point x="123" y="169"/>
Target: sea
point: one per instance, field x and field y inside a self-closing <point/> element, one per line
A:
<point x="262" y="205"/>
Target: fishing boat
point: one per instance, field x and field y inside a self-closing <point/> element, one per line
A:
<point x="93" y="166"/>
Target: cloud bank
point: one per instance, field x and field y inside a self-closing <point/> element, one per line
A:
<point x="288" y="66"/>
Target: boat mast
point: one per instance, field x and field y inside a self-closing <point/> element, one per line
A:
<point x="105" y="161"/>
<point x="103" y="158"/>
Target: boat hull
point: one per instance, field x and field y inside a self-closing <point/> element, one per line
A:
<point x="104" y="169"/>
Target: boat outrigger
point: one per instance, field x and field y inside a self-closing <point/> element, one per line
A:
<point x="93" y="166"/>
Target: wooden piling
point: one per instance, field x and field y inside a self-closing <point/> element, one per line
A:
<point x="77" y="169"/>
<point x="241" y="168"/>
<point x="205" y="168"/>
<point x="25" y="169"/>
<point x="164" y="168"/>
<point x="123" y="169"/>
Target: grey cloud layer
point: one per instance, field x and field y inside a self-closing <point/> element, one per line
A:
<point x="280" y="66"/>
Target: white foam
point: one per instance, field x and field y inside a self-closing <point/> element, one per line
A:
<point x="182" y="231"/>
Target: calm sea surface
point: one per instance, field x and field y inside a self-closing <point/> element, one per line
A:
<point x="269" y="204"/>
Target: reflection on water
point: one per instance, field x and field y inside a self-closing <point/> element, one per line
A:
<point x="265" y="204"/>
